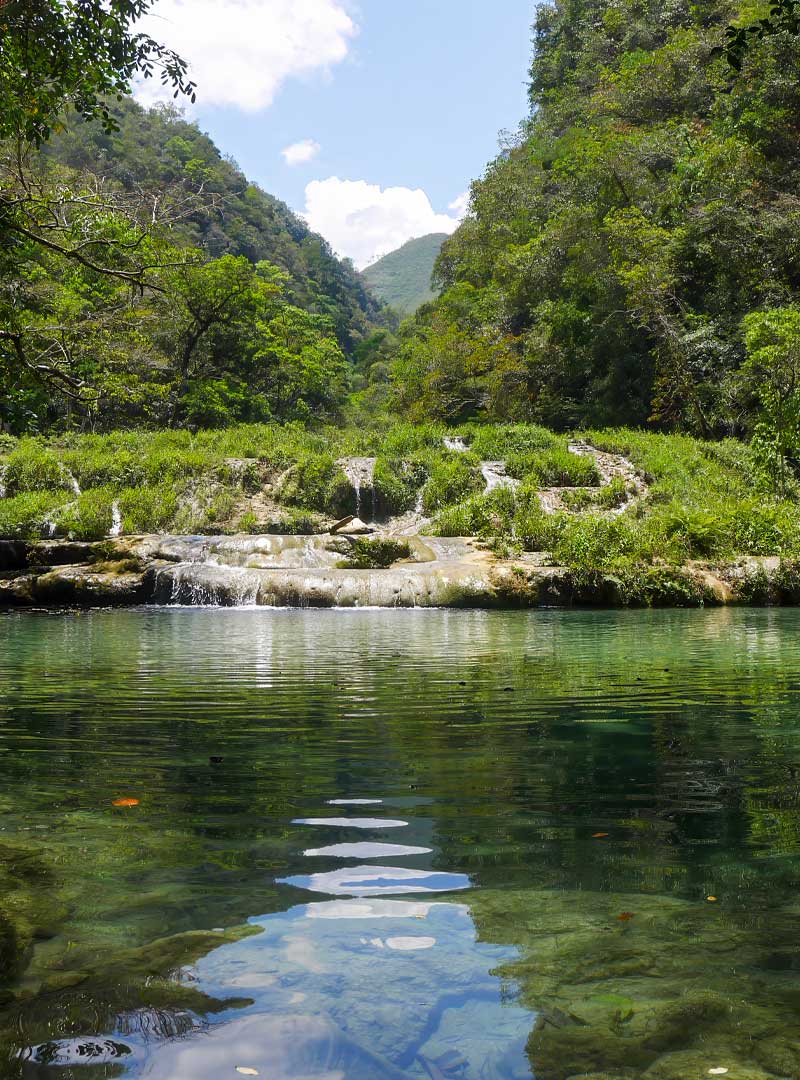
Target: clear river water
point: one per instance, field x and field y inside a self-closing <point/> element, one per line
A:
<point x="387" y="844"/>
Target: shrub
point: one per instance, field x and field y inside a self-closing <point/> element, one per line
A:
<point x="148" y="509"/>
<point x="700" y="532"/>
<point x="451" y="480"/>
<point x="34" y="467"/>
<point x="613" y="495"/>
<point x="486" y="516"/>
<point x="23" y="517"/>
<point x="375" y="554"/>
<point x="554" y="467"/>
<point x="397" y="483"/>
<point x="501" y="441"/>
<point x="89" y="516"/>
<point x="534" y="529"/>
<point x="318" y="483"/>
<point x="405" y="440"/>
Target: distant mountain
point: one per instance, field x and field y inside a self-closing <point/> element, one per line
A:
<point x="402" y="278"/>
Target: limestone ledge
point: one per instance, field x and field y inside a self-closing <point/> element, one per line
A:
<point x="305" y="571"/>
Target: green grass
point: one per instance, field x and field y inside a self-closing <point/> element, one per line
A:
<point x="704" y="499"/>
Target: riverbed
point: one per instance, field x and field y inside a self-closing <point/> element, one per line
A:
<point x="459" y="844"/>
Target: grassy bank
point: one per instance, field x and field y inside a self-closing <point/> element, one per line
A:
<point x="702" y="499"/>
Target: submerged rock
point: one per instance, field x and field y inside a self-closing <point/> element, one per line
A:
<point x="684" y="1064"/>
<point x="670" y="995"/>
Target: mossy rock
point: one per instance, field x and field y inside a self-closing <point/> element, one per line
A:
<point x="165" y="955"/>
<point x="778" y="1055"/>
<point x="695" y="1065"/>
<point x="628" y="1074"/>
<point x="67" y="997"/>
<point x="560" y="1052"/>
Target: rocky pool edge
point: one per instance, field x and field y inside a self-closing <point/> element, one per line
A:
<point x="450" y="573"/>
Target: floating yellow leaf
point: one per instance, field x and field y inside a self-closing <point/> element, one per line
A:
<point x="126" y="802"/>
<point x="626" y="916"/>
<point x="598" y="835"/>
<point x="245" y="1070"/>
<point x="719" y="1071"/>
<point x="712" y="900"/>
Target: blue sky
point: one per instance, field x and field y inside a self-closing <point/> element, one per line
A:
<point x="385" y="109"/>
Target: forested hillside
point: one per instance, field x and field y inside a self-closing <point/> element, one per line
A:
<point x="402" y="279"/>
<point x="157" y="148"/>
<point x="634" y="257"/>
<point x="145" y="281"/>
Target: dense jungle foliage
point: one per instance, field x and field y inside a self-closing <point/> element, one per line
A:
<point x="221" y="304"/>
<point x="634" y="255"/>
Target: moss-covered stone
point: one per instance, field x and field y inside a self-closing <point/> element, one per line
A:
<point x="688" y="1064"/>
<point x="617" y="995"/>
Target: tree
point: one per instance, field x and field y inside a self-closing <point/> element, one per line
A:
<point x="772" y="371"/>
<point x="58" y="54"/>
<point x="783" y="17"/>
<point x="616" y="245"/>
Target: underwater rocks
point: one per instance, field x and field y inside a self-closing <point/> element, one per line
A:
<point x="46" y="1028"/>
<point x="684" y="1064"/>
<point x="312" y="570"/>
<point x="677" y="990"/>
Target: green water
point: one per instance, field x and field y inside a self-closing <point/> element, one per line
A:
<point x="531" y="777"/>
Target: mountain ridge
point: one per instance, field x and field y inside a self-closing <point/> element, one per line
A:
<point x="402" y="278"/>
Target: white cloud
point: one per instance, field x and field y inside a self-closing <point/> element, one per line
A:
<point x="460" y="205"/>
<point x="241" y="51"/>
<point x="300" y="153"/>
<point x="364" y="221"/>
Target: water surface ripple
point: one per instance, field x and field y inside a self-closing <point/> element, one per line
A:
<point x="441" y="844"/>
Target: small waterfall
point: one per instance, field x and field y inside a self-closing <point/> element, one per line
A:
<point x="71" y="481"/>
<point x="360" y="471"/>
<point x="3" y="489"/>
<point x="494" y="473"/>
<point x="116" y="520"/>
<point x="457" y="443"/>
<point x="292" y="571"/>
<point x="202" y="585"/>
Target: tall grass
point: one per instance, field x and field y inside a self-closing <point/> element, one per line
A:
<point x="704" y="501"/>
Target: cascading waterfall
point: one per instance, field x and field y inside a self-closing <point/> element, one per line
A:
<point x="73" y="483"/>
<point x="202" y="585"/>
<point x="3" y="489"/>
<point x="360" y="471"/>
<point x="116" y="520"/>
<point x="292" y="571"/>
<point x="457" y="443"/>
<point x="495" y="475"/>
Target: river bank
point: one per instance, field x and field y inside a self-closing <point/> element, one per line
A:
<point x="316" y="571"/>
<point x="508" y="515"/>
